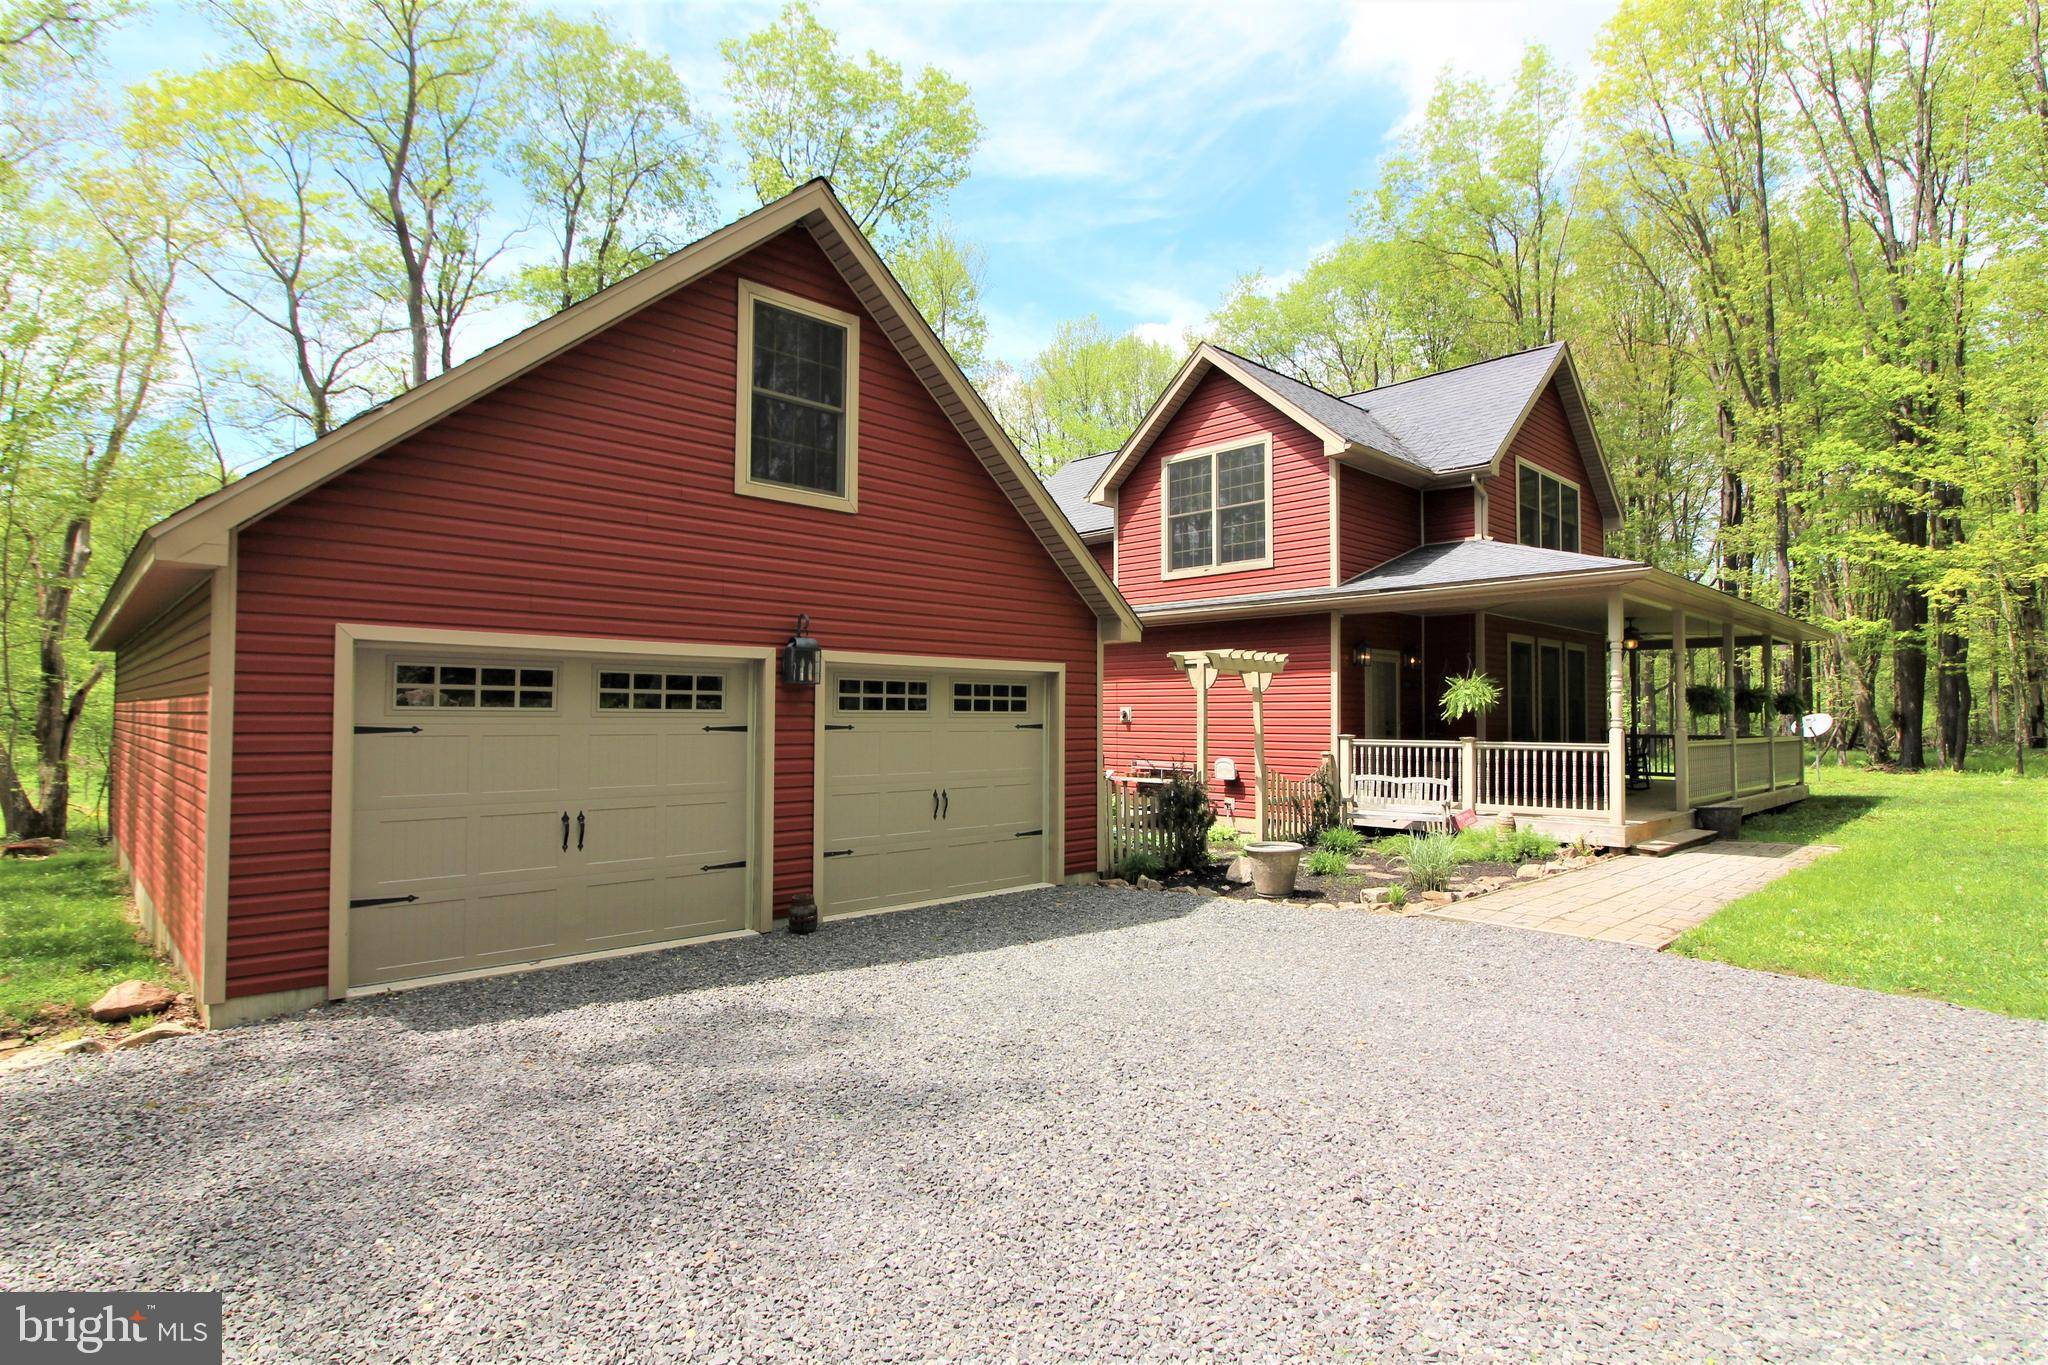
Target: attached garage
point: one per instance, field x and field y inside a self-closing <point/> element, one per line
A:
<point x="500" y="673"/>
<point x="934" y="784"/>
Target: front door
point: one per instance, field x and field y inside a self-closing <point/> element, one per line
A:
<point x="1382" y="709"/>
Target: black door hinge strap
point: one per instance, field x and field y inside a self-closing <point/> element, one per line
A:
<point x="387" y="729"/>
<point x="382" y="900"/>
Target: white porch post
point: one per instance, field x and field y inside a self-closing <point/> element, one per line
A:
<point x="1617" y="723"/>
<point x="1255" y="683"/>
<point x="1681" y="715"/>
<point x="1770" y="719"/>
<point x="1203" y="675"/>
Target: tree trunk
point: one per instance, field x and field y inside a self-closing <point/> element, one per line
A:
<point x="47" y="814"/>
<point x="1863" y="696"/>
<point x="2030" y="676"/>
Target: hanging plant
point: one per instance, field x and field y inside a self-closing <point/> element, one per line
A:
<point x="1750" y="700"/>
<point x="1468" y="694"/>
<point x="1706" y="699"/>
<point x="1787" y="705"/>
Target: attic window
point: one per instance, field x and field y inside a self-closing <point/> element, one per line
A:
<point x="798" y="399"/>
<point x="1547" y="509"/>
<point x="1218" y="509"/>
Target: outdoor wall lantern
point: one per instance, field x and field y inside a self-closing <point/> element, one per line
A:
<point x="1414" y="661"/>
<point x="802" y="658"/>
<point x="1361" y="654"/>
<point x="1631" y="638"/>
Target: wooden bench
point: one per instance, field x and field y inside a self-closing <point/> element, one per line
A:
<point x="1403" y="802"/>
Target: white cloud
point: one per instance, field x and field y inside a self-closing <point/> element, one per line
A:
<point x="1414" y="41"/>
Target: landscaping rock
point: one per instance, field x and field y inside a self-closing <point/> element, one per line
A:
<point x="1151" y="884"/>
<point x="1529" y="872"/>
<point x="155" y="1033"/>
<point x="1117" y="882"/>
<point x="78" y="1045"/>
<point x="1239" y="873"/>
<point x="1437" y="897"/>
<point x="1323" y="905"/>
<point x="131" y="998"/>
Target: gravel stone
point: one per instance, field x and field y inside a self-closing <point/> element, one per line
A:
<point x="1072" y="1124"/>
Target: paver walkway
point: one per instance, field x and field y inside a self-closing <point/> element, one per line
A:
<point x="1640" y="900"/>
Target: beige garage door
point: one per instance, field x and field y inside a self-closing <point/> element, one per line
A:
<point x="510" y="808"/>
<point x="935" y="786"/>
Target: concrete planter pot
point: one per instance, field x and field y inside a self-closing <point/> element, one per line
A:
<point x="1273" y="867"/>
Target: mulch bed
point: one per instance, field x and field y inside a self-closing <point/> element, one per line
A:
<point x="1368" y="870"/>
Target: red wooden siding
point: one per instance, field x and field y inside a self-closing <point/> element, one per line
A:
<point x="1394" y="633"/>
<point x="1105" y="555"/>
<point x="1447" y="514"/>
<point x="594" y="496"/>
<point x="1162" y="702"/>
<point x="1221" y="409"/>
<point x="158" y="758"/>
<point x="1378" y="519"/>
<point x="1545" y="440"/>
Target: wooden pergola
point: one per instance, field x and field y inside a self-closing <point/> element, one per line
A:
<point x="1257" y="668"/>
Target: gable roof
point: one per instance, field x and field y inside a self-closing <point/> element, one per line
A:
<point x="1434" y="430"/>
<point x="1069" y="485"/>
<point x="174" y="555"/>
<point x="1457" y="419"/>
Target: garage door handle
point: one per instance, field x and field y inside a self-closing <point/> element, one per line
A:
<point x="579" y="831"/>
<point x="945" y="804"/>
<point x="935" y="803"/>
<point x="565" y="831"/>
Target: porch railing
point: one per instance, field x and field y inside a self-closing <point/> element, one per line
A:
<point x="1405" y="758"/>
<point x="1653" y="754"/>
<point x="1543" y="778"/>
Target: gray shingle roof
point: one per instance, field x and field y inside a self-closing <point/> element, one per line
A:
<point x="1457" y="419"/>
<point x="1444" y="564"/>
<point x="1069" y="485"/>
<point x="1348" y="420"/>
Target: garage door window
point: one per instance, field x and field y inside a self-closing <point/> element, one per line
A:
<point x="999" y="698"/>
<point x="417" y="684"/>
<point x="632" y="691"/>
<point x="884" y="694"/>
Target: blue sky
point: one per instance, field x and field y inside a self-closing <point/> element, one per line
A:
<point x="1137" y="157"/>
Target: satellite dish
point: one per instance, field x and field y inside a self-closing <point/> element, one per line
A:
<point x="1816" y="725"/>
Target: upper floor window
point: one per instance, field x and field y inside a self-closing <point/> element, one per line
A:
<point x="798" y="399"/>
<point x="1218" y="509"/>
<point x="1548" y="508"/>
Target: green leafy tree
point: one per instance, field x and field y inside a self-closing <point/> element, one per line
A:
<point x="611" y="152"/>
<point x="943" y="276"/>
<point x="892" y="149"/>
<point x="1083" y="394"/>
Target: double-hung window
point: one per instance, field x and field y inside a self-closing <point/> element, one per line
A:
<point x="798" y="399"/>
<point x="1548" y="509"/>
<point x="1218" y="508"/>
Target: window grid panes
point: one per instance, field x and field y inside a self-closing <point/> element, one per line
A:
<point x="417" y="685"/>
<point x="1000" y="698"/>
<point x="647" y="690"/>
<point x="799" y="400"/>
<point x="1216" y="509"/>
<point x="884" y="694"/>
<point x="1549" y="510"/>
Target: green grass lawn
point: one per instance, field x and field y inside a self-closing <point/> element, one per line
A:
<point x="1941" y="889"/>
<point x="65" y="936"/>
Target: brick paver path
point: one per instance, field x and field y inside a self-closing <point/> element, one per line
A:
<point x="1636" y="899"/>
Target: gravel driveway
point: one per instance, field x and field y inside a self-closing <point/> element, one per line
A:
<point x="1077" y="1124"/>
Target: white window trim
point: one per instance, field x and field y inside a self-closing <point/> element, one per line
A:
<point x="1577" y="488"/>
<point x="744" y="483"/>
<point x="1264" y="440"/>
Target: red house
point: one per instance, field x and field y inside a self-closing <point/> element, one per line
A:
<point x="1384" y="541"/>
<point x="719" y="589"/>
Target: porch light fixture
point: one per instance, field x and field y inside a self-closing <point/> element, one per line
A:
<point x="1414" y="661"/>
<point x="802" y="658"/>
<point x="1361" y="654"/>
<point x="1631" y="638"/>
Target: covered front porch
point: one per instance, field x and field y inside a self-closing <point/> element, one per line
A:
<point x="1624" y="708"/>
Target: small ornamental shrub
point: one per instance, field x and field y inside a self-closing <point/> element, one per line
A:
<point x="1397" y="895"/>
<point x="1136" y="865"/>
<point x="1222" y="833"/>
<point x="1185" y="818"/>
<point x="1344" y="841"/>
<point x="1431" y="861"/>
<point x="1326" y="862"/>
<point x="1527" y="846"/>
